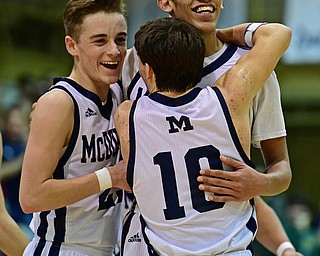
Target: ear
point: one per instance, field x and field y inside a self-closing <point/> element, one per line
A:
<point x="71" y="45"/>
<point x="165" y="5"/>
<point x="149" y="71"/>
<point x="150" y="79"/>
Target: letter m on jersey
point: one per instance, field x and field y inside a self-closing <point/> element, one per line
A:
<point x="176" y="125"/>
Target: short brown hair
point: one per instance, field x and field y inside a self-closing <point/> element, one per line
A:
<point x="175" y="50"/>
<point x="76" y="10"/>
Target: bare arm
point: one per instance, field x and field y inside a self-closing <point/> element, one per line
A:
<point x="50" y="127"/>
<point x="122" y="126"/>
<point x="239" y="86"/>
<point x="13" y="240"/>
<point x="246" y="182"/>
<point x="234" y="34"/>
<point x="252" y="69"/>
<point x="276" y="179"/>
<point x="271" y="232"/>
<point x="276" y="158"/>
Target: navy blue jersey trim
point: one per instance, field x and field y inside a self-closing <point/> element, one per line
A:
<point x="227" y="54"/>
<point x="54" y="249"/>
<point x="175" y="102"/>
<point x="43" y="227"/>
<point x="125" y="229"/>
<point x="132" y="84"/>
<point x="105" y="110"/>
<point x="73" y="138"/>
<point x="250" y="248"/>
<point x="119" y="83"/>
<point x="232" y="129"/>
<point x="252" y="225"/>
<point x="132" y="136"/>
<point x="60" y="224"/>
<point x="151" y="250"/>
<point x="40" y="246"/>
<point x="60" y="219"/>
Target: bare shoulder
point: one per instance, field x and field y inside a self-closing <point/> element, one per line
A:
<point x="121" y="116"/>
<point x="123" y="110"/>
<point x="53" y="109"/>
<point x="54" y="96"/>
<point x="234" y="86"/>
<point x="121" y="119"/>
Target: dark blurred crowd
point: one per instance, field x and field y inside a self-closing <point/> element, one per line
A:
<point x="301" y="220"/>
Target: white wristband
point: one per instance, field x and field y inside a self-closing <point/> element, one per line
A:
<point x="249" y="32"/>
<point x="284" y="246"/>
<point x="104" y="178"/>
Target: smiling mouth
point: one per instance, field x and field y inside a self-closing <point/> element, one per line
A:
<point x="204" y="9"/>
<point x="110" y="64"/>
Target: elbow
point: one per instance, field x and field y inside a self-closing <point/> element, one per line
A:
<point x="287" y="180"/>
<point x="286" y="33"/>
<point x="25" y="206"/>
<point x="281" y="32"/>
<point x="28" y="203"/>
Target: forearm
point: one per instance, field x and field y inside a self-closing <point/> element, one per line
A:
<point x="279" y="176"/>
<point x="56" y="193"/>
<point x="234" y="34"/>
<point x="270" y="232"/>
<point x="243" y="34"/>
<point x="13" y="240"/>
<point x="278" y="170"/>
<point x="118" y="175"/>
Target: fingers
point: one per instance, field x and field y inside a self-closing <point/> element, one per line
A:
<point x="210" y="176"/>
<point x="214" y="179"/>
<point x="216" y="190"/>
<point x="231" y="162"/>
<point x="222" y="194"/>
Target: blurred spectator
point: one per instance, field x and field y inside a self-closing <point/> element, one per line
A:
<point x="299" y="216"/>
<point x="14" y="133"/>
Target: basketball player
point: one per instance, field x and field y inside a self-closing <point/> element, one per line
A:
<point x="167" y="137"/>
<point x="268" y="128"/>
<point x="72" y="140"/>
<point x="13" y="240"/>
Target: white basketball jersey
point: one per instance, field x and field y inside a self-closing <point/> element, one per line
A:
<point x="92" y="224"/>
<point x="265" y="113"/>
<point x="171" y="140"/>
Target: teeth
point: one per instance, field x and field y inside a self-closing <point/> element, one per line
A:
<point x="205" y="9"/>
<point x="109" y="63"/>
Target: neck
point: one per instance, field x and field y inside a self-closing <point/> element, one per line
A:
<point x="100" y="90"/>
<point x="213" y="44"/>
<point x="173" y="94"/>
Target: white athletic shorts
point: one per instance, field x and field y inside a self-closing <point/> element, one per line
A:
<point x="133" y="241"/>
<point x="37" y="248"/>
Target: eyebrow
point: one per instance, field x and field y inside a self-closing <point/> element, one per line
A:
<point x="105" y="35"/>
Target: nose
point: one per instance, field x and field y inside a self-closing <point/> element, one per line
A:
<point x="112" y="49"/>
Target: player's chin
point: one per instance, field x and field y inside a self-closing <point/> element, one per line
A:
<point x="111" y="77"/>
